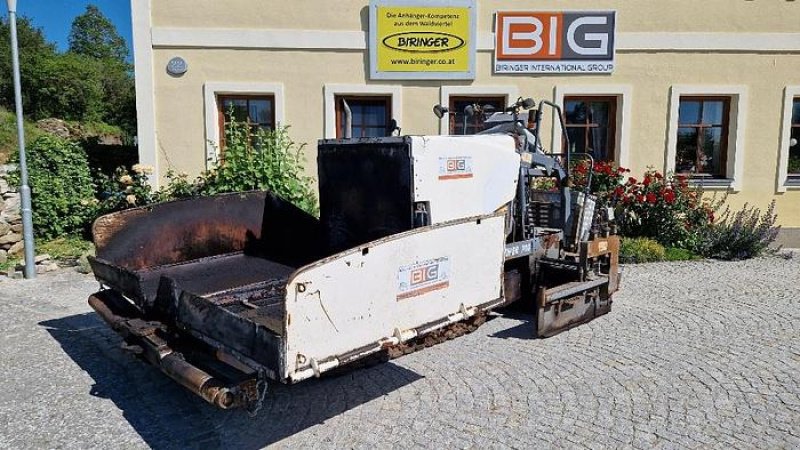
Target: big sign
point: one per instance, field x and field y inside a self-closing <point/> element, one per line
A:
<point x="554" y="42"/>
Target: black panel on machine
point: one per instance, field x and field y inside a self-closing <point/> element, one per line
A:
<point x="366" y="189"/>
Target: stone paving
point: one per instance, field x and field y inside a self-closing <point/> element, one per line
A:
<point x="699" y="354"/>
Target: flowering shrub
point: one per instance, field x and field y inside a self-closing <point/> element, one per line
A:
<point x="126" y="189"/>
<point x="664" y="208"/>
<point x="606" y="179"/>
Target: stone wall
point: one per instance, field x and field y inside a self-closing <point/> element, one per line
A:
<point x="10" y="218"/>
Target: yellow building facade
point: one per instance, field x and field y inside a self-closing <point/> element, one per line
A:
<point x="718" y="78"/>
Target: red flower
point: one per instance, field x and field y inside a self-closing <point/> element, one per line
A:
<point x="619" y="191"/>
<point x="639" y="198"/>
<point x="669" y="196"/>
<point x="647" y="180"/>
<point x="651" y="198"/>
<point x="631" y="180"/>
<point x="658" y="175"/>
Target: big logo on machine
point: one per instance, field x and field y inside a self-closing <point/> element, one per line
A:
<point x="423" y="277"/>
<point x="540" y="42"/>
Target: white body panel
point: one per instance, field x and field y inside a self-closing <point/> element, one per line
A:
<point x="464" y="176"/>
<point x="367" y="295"/>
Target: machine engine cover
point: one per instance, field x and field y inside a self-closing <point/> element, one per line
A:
<point x="464" y="176"/>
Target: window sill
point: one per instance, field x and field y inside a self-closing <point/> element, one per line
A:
<point x="792" y="183"/>
<point x="711" y="183"/>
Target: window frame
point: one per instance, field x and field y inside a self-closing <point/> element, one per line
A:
<point x="793" y="177"/>
<point x="510" y="92"/>
<point x="737" y="126"/>
<point x="331" y="90"/>
<point x="500" y="99"/>
<point x="785" y="182"/>
<point x="725" y="126"/>
<point x="624" y="119"/>
<point x="221" y="112"/>
<point x="612" y="114"/>
<point x="213" y="89"/>
<point x="351" y="98"/>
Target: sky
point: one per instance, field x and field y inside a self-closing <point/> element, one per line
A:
<point x="55" y="17"/>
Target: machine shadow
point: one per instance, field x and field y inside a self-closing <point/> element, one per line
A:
<point x="165" y="415"/>
<point x="523" y="330"/>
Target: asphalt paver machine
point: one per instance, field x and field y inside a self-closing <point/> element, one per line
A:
<point x="418" y="238"/>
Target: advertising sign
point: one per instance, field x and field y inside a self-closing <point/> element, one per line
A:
<point x="422" y="40"/>
<point x="423" y="277"/>
<point x="554" y="42"/>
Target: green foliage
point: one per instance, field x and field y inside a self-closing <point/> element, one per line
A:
<point x="641" y="250"/>
<point x="61" y="187"/>
<point x="33" y="50"/>
<point x="745" y="234"/>
<point x="679" y="254"/>
<point x="794" y="164"/>
<point x="267" y="160"/>
<point x="69" y="87"/>
<point x="8" y="134"/>
<point x="93" y="35"/>
<point x="178" y="186"/>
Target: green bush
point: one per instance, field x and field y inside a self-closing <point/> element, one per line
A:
<point x="641" y="250"/>
<point x="679" y="254"/>
<point x="62" y="193"/>
<point x="261" y="159"/>
<point x="745" y="234"/>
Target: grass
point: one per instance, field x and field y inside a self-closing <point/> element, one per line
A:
<point x="8" y="134"/>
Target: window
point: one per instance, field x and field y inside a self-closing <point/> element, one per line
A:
<point x="591" y="125"/>
<point x="702" y="136"/>
<point x="473" y="124"/>
<point x="258" y="111"/>
<point x="793" y="167"/>
<point x="370" y="115"/>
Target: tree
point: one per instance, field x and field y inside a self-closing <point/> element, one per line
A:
<point x="34" y="50"/>
<point x="93" y="35"/>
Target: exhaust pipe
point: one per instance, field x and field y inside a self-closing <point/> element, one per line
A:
<point x="348" y="120"/>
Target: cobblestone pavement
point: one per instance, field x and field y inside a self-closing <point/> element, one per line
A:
<point x="701" y="354"/>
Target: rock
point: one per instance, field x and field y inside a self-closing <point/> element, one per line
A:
<point x="10" y="238"/>
<point x="39" y="259"/>
<point x="13" y="274"/>
<point x="13" y="218"/>
<point x="4" y="187"/>
<point x="3" y="256"/>
<point x="16" y="228"/>
<point x="83" y="265"/>
<point x="16" y="249"/>
<point x="45" y="268"/>
<point x="4" y="228"/>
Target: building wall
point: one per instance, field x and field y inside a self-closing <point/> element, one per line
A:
<point x="750" y="48"/>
